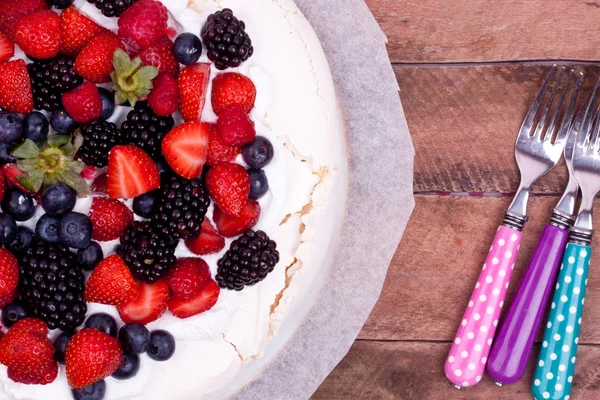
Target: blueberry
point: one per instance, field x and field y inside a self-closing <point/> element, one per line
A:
<point x="36" y="126"/>
<point x="144" y="205"/>
<point x="18" y="204"/>
<point x="90" y="256"/>
<point x="259" y="153"/>
<point x="60" y="345"/>
<point x="128" y="368"/>
<point x="102" y="322"/>
<point x="161" y="346"/>
<point x="60" y="4"/>
<point x="259" y="184"/>
<point x="47" y="228"/>
<point x="108" y="103"/>
<point x="58" y="199"/>
<point x="11" y="127"/>
<point x="134" y="338"/>
<point x="8" y="229"/>
<point x="22" y="240"/>
<point x="188" y="48"/>
<point x="75" y="230"/>
<point x="61" y="122"/>
<point x="95" y="391"/>
<point x="13" y="313"/>
<point x="5" y="156"/>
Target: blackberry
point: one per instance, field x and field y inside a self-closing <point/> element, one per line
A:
<point x="51" y="285"/>
<point x="50" y="79"/>
<point x="249" y="260"/>
<point x="99" y="137"/>
<point x="112" y="8"/>
<point x="145" y="129"/>
<point x="147" y="252"/>
<point x="226" y="39"/>
<point x="182" y="206"/>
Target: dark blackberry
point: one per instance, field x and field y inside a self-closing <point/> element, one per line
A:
<point x="182" y="206"/>
<point x="112" y="8"/>
<point x="145" y="129"/>
<point x="226" y="39"/>
<point x="50" y="79"/>
<point x="249" y="260"/>
<point x="51" y="285"/>
<point x="148" y="253"/>
<point x="99" y="137"/>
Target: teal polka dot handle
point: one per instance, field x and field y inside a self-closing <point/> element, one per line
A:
<point x="554" y="372"/>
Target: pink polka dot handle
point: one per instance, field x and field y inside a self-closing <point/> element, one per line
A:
<point x="468" y="355"/>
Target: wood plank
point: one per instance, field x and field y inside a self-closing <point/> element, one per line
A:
<point x="464" y="122"/>
<point x="408" y="370"/>
<point x="482" y="30"/>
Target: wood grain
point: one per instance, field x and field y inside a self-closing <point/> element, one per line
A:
<point x="436" y="31"/>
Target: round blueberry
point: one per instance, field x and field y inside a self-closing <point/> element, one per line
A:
<point x="58" y="199"/>
<point x="36" y="126"/>
<point x="134" y="338"/>
<point x="102" y="322"/>
<point x="61" y="122"/>
<point x="259" y="153"/>
<point x="18" y="204"/>
<point x="22" y="240"/>
<point x="161" y="345"/>
<point x="144" y="205"/>
<point x="8" y="229"/>
<point x="75" y="230"/>
<point x="60" y="4"/>
<point x="187" y="48"/>
<point x="128" y="368"/>
<point x="60" y="345"/>
<point x="47" y="228"/>
<point x="11" y="127"/>
<point x="95" y="391"/>
<point x="13" y="313"/>
<point x="90" y="256"/>
<point x="259" y="185"/>
<point x="108" y="103"/>
<point x="5" y="156"/>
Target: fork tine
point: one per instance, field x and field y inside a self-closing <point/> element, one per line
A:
<point x="594" y="132"/>
<point x="567" y="122"/>
<point x="533" y="110"/>
<point x="542" y="122"/>
<point x="589" y="107"/>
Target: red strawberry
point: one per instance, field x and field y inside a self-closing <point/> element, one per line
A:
<point x="235" y="127"/>
<point x="76" y="30"/>
<point x="233" y="89"/>
<point x="5" y="300"/>
<point x="111" y="283"/>
<point x="161" y="55"/>
<point x="229" y="226"/>
<point x="109" y="218"/>
<point x="15" y="87"/>
<point x="94" y="62"/>
<point x="131" y="172"/>
<point x="185" y="148"/>
<point x="164" y="97"/>
<point x="229" y="187"/>
<point x="99" y="184"/>
<point x="91" y="356"/>
<point x="2" y="186"/>
<point x="187" y="277"/>
<point x="83" y="103"/>
<point x="150" y="304"/>
<point x="193" y="85"/>
<point x="39" y="376"/>
<point x="143" y="23"/>
<point x="218" y="152"/>
<point x="7" y="48"/>
<point x="13" y="10"/>
<point x="204" y="301"/>
<point x="38" y="35"/>
<point x="208" y="242"/>
<point x="89" y="172"/>
<point x="11" y="173"/>
<point x="9" y="273"/>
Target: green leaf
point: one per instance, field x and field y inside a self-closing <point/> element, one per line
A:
<point x="58" y="140"/>
<point x="77" y="141"/>
<point x="35" y="179"/>
<point x="76" y="182"/>
<point x="26" y="182"/>
<point x="29" y="165"/>
<point x="146" y="74"/>
<point x="121" y="61"/>
<point x="27" y="150"/>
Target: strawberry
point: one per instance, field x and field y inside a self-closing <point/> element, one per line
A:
<point x="235" y="127"/>
<point x="131" y="172"/>
<point x="83" y="103"/>
<point x="38" y="35"/>
<point x="229" y="226"/>
<point x="185" y="148"/>
<point x="204" y="301"/>
<point x="7" y="48"/>
<point x="229" y="187"/>
<point x="2" y="186"/>
<point x="95" y="60"/>
<point x="13" y="10"/>
<point x="187" y="277"/>
<point x="233" y="89"/>
<point x="91" y="356"/>
<point x="111" y="283"/>
<point x="149" y="305"/>
<point x="11" y="173"/>
<point x="15" y="87"/>
<point x="218" y="152"/>
<point x="164" y="98"/>
<point x="5" y="300"/>
<point x="39" y="376"/>
<point x="193" y="85"/>
<point x="143" y="23"/>
<point x="76" y="31"/>
<point x="9" y="273"/>
<point x="89" y="172"/>
<point x="160" y="54"/>
<point x="208" y="242"/>
<point x="110" y="218"/>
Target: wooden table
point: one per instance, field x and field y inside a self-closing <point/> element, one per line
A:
<point x="468" y="71"/>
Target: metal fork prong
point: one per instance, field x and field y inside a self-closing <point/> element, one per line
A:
<point x="558" y="109"/>
<point x="567" y="122"/>
<point x="533" y="110"/>
<point x="595" y="140"/>
<point x="540" y="127"/>
<point x="589" y="108"/>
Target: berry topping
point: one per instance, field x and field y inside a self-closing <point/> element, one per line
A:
<point x="111" y="8"/>
<point x="36" y="127"/>
<point x="150" y="304"/>
<point x="99" y="139"/>
<point x="134" y="338"/>
<point x="160" y="55"/>
<point x="102" y="322"/>
<point x="109" y="218"/>
<point x="164" y="98"/>
<point x="9" y="272"/>
<point x="204" y="301"/>
<point x="8" y="229"/>
<point x="229" y="187"/>
<point x="230" y="226"/>
<point x="161" y="345"/>
<point x="15" y="87"/>
<point x="60" y="346"/>
<point x="111" y="283"/>
<point x="12" y="313"/>
<point x="76" y="31"/>
<point x="83" y="103"/>
<point x="95" y="391"/>
<point x="226" y="40"/>
<point x="260" y="184"/>
<point x="13" y="10"/>
<point x="90" y="256"/>
<point x="75" y="230"/>
<point x="218" y="152"/>
<point x="19" y="205"/>
<point x="233" y="89"/>
<point x="145" y="204"/>
<point x="208" y="242"/>
<point x="143" y="128"/>
<point x="108" y="103"/>
<point x="95" y="61"/>
<point x="131" y="172"/>
<point x="187" y="277"/>
<point x="193" y="87"/>
<point x="259" y="153"/>
<point x="188" y="48"/>
<point x="38" y="35"/>
<point x="22" y="241"/>
<point x="185" y="148"/>
<point x="47" y="228"/>
<point x="7" y="48"/>
<point x="58" y="199"/>
<point x="143" y="23"/>
<point x="129" y="367"/>
<point x="11" y="127"/>
<point x="235" y="127"/>
<point x="61" y="122"/>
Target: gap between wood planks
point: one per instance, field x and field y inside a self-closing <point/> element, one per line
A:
<point x="495" y="63"/>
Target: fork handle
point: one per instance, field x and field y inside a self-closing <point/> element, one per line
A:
<point x="554" y="373"/>
<point x="516" y="335"/>
<point x="468" y="355"/>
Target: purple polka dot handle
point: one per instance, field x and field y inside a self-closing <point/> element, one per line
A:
<point x="468" y="355"/>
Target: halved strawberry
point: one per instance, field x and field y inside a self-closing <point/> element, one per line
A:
<point x="76" y="30"/>
<point x="187" y="277"/>
<point x="16" y="94"/>
<point x="204" y="301"/>
<point x="235" y="127"/>
<point x="218" y="152"/>
<point x="193" y="85"/>
<point x="12" y="173"/>
<point x="149" y="305"/>
<point x="9" y="273"/>
<point x="13" y="10"/>
<point x="131" y="172"/>
<point x="110" y="218"/>
<point x="230" y="226"/>
<point x="229" y="187"/>
<point x="185" y="148"/>
<point x="7" y="48"/>
<point x="38" y="35"/>
<point x="111" y="283"/>
<point x="233" y="89"/>
<point x="208" y="242"/>
<point x="160" y="55"/>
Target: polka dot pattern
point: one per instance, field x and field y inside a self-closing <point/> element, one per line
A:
<point x="468" y="355"/>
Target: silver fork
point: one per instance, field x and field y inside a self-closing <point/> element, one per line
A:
<point x="537" y="152"/>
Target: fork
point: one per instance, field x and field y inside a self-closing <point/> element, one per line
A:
<point x="536" y="154"/>
<point x="553" y="376"/>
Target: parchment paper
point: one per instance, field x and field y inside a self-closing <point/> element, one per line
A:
<point x="379" y="204"/>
